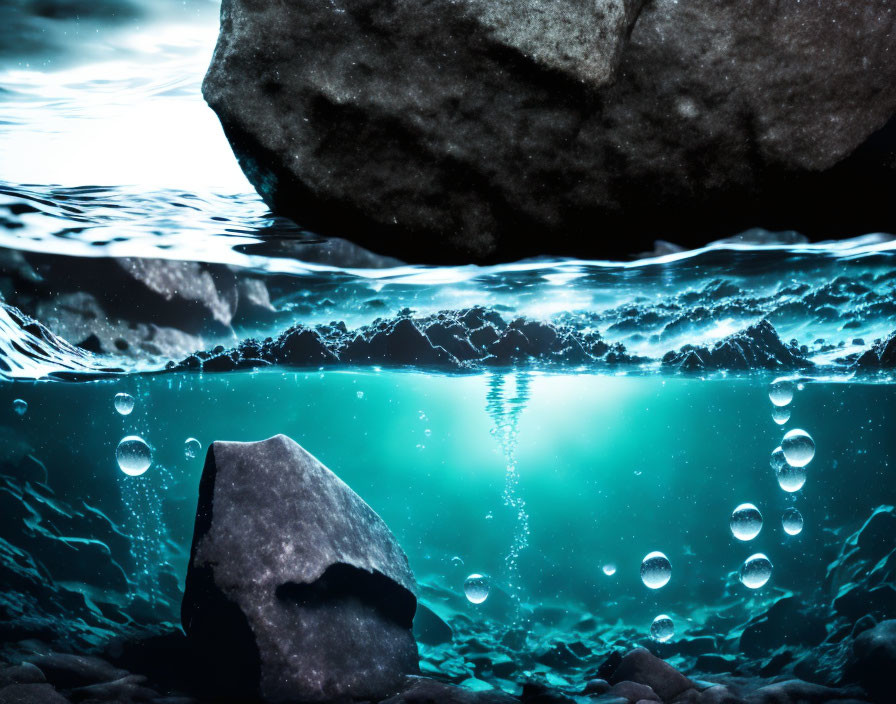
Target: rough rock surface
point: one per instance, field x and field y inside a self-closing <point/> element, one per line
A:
<point x="483" y="129"/>
<point x="881" y="355"/>
<point x="460" y="339"/>
<point x="319" y="609"/>
<point x="756" y="347"/>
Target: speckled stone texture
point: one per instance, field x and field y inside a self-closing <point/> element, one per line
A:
<point x="461" y="130"/>
<point x="296" y="589"/>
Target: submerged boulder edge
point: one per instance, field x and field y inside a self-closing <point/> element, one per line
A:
<point x="296" y="589"/>
<point x="486" y="131"/>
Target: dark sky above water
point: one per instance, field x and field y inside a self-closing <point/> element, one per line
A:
<point x="61" y="32"/>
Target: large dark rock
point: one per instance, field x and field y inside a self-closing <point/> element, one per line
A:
<point x="755" y="347"/>
<point x="872" y="660"/>
<point x="488" y="129"/>
<point x="296" y="589"/>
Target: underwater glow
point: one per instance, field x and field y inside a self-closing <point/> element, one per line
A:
<point x="656" y="570"/>
<point x="756" y="571"/>
<point x="792" y="521"/>
<point x="746" y="522"/>
<point x="133" y="455"/>
<point x="476" y="588"/>
<point x="798" y="447"/>
<point x="124" y="403"/>
<point x="662" y="629"/>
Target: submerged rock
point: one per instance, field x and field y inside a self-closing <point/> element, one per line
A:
<point x="872" y="659"/>
<point x="881" y="355"/>
<point x="296" y="589"/>
<point x="756" y="347"/>
<point x="483" y="130"/>
<point x="453" y="340"/>
<point x="645" y="668"/>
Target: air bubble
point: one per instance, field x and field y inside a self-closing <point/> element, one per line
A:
<point x="662" y="629"/>
<point x="791" y="478"/>
<point x="124" y="403"/>
<point x="792" y="521"/>
<point x="609" y="569"/>
<point x="20" y="406"/>
<point x="756" y="571"/>
<point x="746" y="522"/>
<point x="476" y="588"/>
<point x="656" y="570"/>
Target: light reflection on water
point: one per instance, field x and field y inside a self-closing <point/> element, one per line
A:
<point x="136" y="118"/>
<point x="122" y="158"/>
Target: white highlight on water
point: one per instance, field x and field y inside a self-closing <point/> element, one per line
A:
<point x="781" y="414"/>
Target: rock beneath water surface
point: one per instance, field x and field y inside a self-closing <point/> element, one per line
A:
<point x="494" y="129"/>
<point x="756" y="347"/>
<point x="296" y="589"/>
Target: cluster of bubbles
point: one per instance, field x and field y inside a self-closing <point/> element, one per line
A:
<point x="789" y="461"/>
<point x="797" y="449"/>
<point x="506" y="399"/>
<point x="133" y="454"/>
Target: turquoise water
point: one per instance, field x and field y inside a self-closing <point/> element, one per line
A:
<point x="535" y="480"/>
